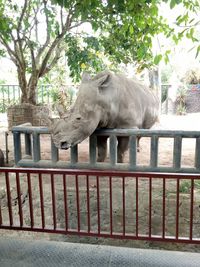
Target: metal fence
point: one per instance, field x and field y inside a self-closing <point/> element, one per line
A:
<point x="45" y="94"/>
<point x="11" y="94"/>
<point x="33" y="154"/>
<point x="114" y="204"/>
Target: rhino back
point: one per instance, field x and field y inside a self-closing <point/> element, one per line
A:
<point x="131" y="104"/>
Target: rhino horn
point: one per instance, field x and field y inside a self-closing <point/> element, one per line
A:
<point x="50" y="122"/>
<point x="60" y="110"/>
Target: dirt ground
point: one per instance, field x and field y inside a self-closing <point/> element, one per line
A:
<point x="171" y="122"/>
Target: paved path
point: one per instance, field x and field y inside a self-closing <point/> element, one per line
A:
<point x="21" y="253"/>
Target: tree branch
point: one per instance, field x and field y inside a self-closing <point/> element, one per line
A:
<point x="19" y="42"/>
<point x="53" y="62"/>
<point x="77" y="25"/>
<point x="61" y="17"/>
<point x="55" y="43"/>
<point x="188" y="26"/>
<point x="9" y="50"/>
<point x="42" y="48"/>
<point x="22" y="15"/>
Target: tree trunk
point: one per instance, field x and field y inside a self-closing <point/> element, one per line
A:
<point x="29" y="95"/>
<point x="30" y="98"/>
<point x="155" y="83"/>
<point x="32" y="88"/>
<point x="28" y="90"/>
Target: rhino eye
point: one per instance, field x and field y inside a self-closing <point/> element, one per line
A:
<point x="78" y="118"/>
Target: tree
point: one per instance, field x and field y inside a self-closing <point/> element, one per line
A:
<point x="121" y="31"/>
<point x="187" y="22"/>
<point x="20" y="23"/>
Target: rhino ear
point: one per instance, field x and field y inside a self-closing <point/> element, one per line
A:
<point x="86" y="77"/>
<point x="104" y="81"/>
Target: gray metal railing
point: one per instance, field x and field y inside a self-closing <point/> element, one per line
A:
<point x="11" y="94"/>
<point x="45" y="94"/>
<point x="32" y="147"/>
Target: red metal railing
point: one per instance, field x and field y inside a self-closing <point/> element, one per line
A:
<point x="123" y="205"/>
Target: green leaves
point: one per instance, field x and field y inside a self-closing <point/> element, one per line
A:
<point x="84" y="53"/>
<point x="122" y="30"/>
<point x="198" y="51"/>
<point x="173" y="3"/>
<point x="157" y="59"/>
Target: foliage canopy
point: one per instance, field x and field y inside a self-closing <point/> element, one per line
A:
<point x="93" y="34"/>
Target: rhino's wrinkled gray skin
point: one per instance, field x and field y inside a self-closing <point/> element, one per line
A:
<point x="107" y="101"/>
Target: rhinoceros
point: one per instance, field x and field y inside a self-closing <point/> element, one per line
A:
<point x="108" y="100"/>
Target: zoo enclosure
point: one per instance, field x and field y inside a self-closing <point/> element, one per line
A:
<point x="31" y="157"/>
<point x="114" y="204"/>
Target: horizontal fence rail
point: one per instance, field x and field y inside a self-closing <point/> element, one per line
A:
<point x="31" y="155"/>
<point x="114" y="204"/>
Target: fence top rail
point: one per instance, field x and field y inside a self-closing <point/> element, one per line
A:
<point x="110" y="173"/>
<point x="28" y="128"/>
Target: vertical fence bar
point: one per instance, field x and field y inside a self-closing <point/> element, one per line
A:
<point x="4" y="106"/>
<point x="65" y="202"/>
<point x="137" y="206"/>
<point x="197" y="153"/>
<point x="13" y="87"/>
<point x="111" y="217"/>
<point x="177" y="152"/>
<point x="154" y="151"/>
<point x="191" y="208"/>
<point x="88" y="203"/>
<point x="1" y="220"/>
<point x="98" y="205"/>
<point x="92" y="149"/>
<point x="42" y="88"/>
<point x="28" y="149"/>
<point x="74" y="154"/>
<point x="113" y="150"/>
<point x="6" y="142"/>
<point x="150" y="204"/>
<point x="36" y="147"/>
<point x="54" y="152"/>
<point x="132" y="150"/>
<point x="53" y="200"/>
<point x="123" y="206"/>
<point x="177" y="209"/>
<point x="77" y="203"/>
<point x="19" y="199"/>
<point x="17" y="146"/>
<point x="8" y="94"/>
<point x="163" y="215"/>
<point x="18" y="92"/>
<point x="30" y="199"/>
<point x="9" y="198"/>
<point x="41" y="200"/>
<point x="47" y="89"/>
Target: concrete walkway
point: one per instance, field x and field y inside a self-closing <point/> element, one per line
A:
<point x="20" y="253"/>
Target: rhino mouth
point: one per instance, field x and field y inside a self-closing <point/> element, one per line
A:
<point x="65" y="145"/>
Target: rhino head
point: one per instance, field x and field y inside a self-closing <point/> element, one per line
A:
<point x="84" y="117"/>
